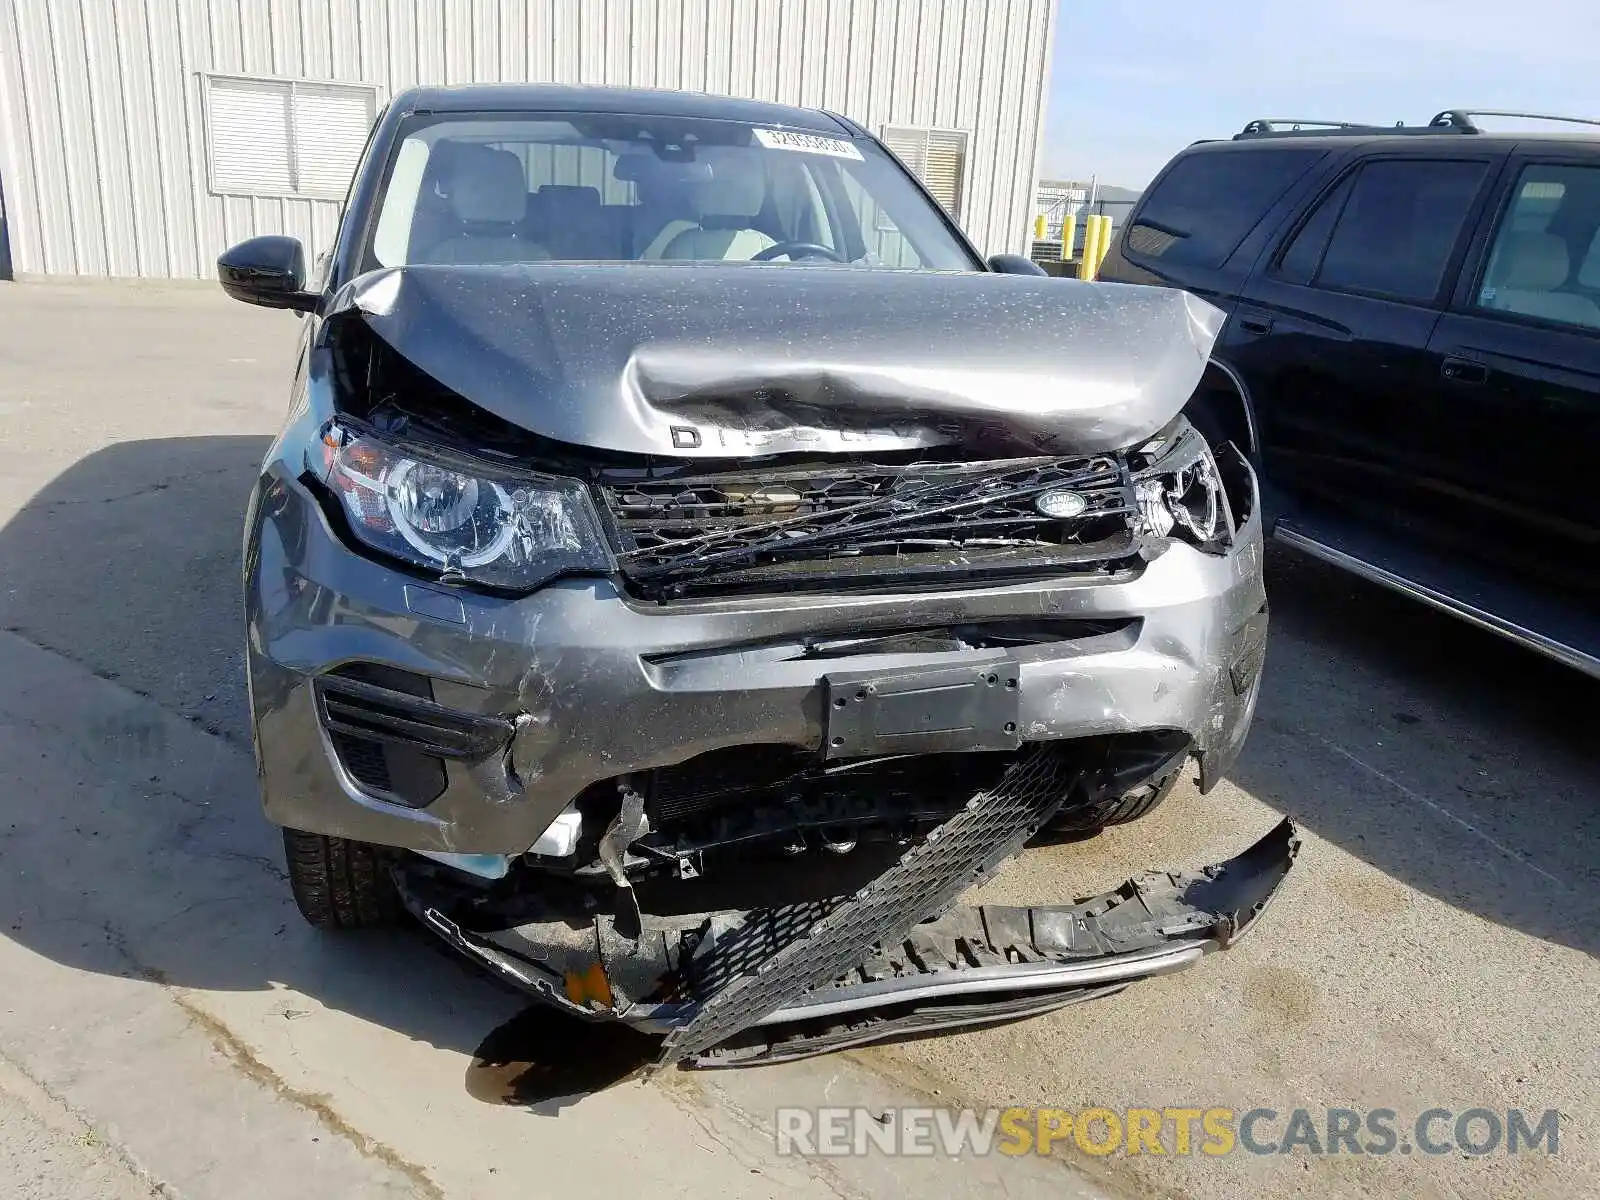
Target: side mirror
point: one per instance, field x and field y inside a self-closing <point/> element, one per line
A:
<point x="269" y="271"/>
<point x="1015" y="264"/>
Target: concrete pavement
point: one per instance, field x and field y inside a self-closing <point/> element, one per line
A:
<point x="167" y="1022"/>
<point x="47" y="1153"/>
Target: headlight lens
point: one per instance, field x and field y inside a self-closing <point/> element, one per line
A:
<point x="1178" y="490"/>
<point x="468" y="522"/>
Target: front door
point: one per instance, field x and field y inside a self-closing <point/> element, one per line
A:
<point x="1520" y="353"/>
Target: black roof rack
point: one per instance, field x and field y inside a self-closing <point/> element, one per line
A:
<point x="1281" y="127"/>
<point x="1461" y="118"/>
<point x="1451" y="120"/>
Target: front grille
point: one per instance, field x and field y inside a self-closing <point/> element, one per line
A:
<point x="677" y="527"/>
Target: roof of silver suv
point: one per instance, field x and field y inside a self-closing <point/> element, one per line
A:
<point x="552" y="97"/>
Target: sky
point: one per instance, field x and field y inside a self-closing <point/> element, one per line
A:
<point x="1134" y="81"/>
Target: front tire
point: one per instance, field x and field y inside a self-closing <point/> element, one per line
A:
<point x="339" y="883"/>
<point x="1116" y="810"/>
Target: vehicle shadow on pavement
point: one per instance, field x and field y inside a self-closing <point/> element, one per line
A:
<point x="131" y="840"/>
<point x="1456" y="762"/>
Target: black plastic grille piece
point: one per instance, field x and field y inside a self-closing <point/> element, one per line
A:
<point x="671" y="523"/>
<point x="365" y="761"/>
<point x="736" y="775"/>
<point x="367" y="710"/>
<point x="728" y="798"/>
<point x="391" y="771"/>
<point x="777" y="954"/>
<point x="392" y="738"/>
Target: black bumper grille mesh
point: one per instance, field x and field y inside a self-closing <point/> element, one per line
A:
<point x="777" y="954"/>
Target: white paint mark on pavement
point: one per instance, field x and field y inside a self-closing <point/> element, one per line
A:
<point x="1434" y="805"/>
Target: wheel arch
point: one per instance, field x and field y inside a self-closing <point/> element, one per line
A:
<point x="1221" y="405"/>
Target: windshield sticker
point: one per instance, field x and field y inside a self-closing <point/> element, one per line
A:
<point x="806" y="143"/>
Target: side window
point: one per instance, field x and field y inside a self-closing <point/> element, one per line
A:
<point x="391" y="239"/>
<point x="1299" y="263"/>
<point x="1397" y="229"/>
<point x="1545" y="261"/>
<point x="1206" y="203"/>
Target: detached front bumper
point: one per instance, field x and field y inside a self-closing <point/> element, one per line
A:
<point x="585" y="685"/>
<point x="973" y="966"/>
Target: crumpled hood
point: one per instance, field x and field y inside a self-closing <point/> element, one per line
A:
<point x="708" y="360"/>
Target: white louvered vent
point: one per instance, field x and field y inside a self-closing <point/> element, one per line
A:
<point x="937" y="156"/>
<point x="248" y="122"/>
<point x="331" y="123"/>
<point x="285" y="137"/>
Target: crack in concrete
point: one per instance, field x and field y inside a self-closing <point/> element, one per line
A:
<point x="692" y="1101"/>
<point x="113" y="1148"/>
<point x="233" y="1048"/>
<point x="149" y="489"/>
<point x="318" y="1104"/>
<point x="254" y="860"/>
<point x="245" y="1060"/>
<point x="249" y="1064"/>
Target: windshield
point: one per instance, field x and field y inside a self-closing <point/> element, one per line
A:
<point x="499" y="188"/>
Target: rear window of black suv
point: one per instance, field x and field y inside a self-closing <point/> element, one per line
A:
<point x="1204" y="205"/>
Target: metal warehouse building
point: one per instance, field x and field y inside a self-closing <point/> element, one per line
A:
<point x="142" y="137"/>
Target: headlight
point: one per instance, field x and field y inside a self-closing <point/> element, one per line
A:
<point x="468" y="521"/>
<point x="1178" y="490"/>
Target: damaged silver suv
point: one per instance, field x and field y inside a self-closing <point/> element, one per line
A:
<point x="687" y="567"/>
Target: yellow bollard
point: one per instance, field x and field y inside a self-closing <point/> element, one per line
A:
<point x="1105" y="244"/>
<point x="1086" y="251"/>
<point x="1089" y="257"/>
<point x="1069" y="234"/>
<point x="1038" y="228"/>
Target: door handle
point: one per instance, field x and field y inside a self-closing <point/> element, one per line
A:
<point x="1256" y="325"/>
<point x="1464" y="370"/>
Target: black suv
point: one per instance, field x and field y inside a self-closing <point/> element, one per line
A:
<point x="1412" y="351"/>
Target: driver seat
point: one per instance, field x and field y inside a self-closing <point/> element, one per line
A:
<point x="489" y="199"/>
<point x="725" y="233"/>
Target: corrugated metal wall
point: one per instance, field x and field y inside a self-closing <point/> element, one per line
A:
<point x="103" y="158"/>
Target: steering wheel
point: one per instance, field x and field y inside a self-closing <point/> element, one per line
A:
<point x="796" y="249"/>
